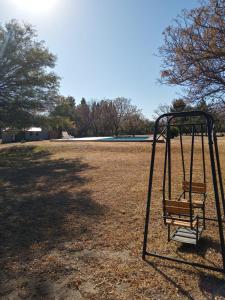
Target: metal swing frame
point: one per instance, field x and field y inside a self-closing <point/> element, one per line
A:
<point x="216" y="178"/>
<point x="187" y="186"/>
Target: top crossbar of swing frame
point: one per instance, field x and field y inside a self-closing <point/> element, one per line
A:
<point x="183" y="125"/>
<point x="211" y="139"/>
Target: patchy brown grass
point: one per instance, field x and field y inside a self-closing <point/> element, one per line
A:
<point x="71" y="224"/>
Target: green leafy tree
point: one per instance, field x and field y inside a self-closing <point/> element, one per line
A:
<point x="65" y="107"/>
<point x="62" y="117"/>
<point x="55" y="124"/>
<point x="27" y="84"/>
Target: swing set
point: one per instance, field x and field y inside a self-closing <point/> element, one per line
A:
<point x="186" y="214"/>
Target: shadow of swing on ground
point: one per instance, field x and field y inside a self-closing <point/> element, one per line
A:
<point x="181" y="290"/>
<point x="210" y="285"/>
<point x="204" y="244"/>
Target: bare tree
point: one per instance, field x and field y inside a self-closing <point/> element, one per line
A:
<point x="194" y="53"/>
<point x="178" y="105"/>
<point x="120" y="108"/>
<point x="134" y="124"/>
<point x="162" y="109"/>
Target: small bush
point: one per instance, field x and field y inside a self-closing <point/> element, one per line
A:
<point x="174" y="131"/>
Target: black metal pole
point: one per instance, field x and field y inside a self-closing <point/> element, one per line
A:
<point x="164" y="176"/>
<point x="148" y="205"/>
<point x="219" y="172"/>
<point x="169" y="160"/>
<point x="214" y="178"/>
<point x="183" y="125"/>
<point x="203" y="154"/>
<point x="191" y="173"/>
<point x="181" y="261"/>
<point x="204" y="175"/>
<point x="182" y="155"/>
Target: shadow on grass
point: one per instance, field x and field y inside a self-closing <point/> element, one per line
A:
<point x="212" y="286"/>
<point x="31" y="168"/>
<point x="46" y="219"/>
<point x="179" y="289"/>
<point x="42" y="201"/>
<point x="204" y="244"/>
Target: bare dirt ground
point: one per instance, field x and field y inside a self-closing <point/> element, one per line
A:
<point x="72" y="218"/>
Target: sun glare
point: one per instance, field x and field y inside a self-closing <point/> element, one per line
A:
<point x="36" y="6"/>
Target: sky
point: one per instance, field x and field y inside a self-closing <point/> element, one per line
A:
<point x="105" y="48"/>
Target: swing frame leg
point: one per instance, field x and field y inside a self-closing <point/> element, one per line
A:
<point x="168" y="231"/>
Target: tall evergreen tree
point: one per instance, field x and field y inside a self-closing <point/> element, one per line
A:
<point x="27" y="85"/>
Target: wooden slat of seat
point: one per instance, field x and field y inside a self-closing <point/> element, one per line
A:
<point x="183" y="204"/>
<point x="196" y="187"/>
<point x="178" y="210"/>
<point x="178" y="207"/>
<point x="199" y="184"/>
<point x="195" y="203"/>
<point x="181" y="223"/>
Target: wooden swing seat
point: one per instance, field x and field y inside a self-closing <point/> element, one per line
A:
<point x="174" y="209"/>
<point x="180" y="214"/>
<point x="181" y="223"/>
<point x="196" y="187"/>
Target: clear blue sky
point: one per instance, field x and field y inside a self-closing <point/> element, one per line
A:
<point x="105" y="48"/>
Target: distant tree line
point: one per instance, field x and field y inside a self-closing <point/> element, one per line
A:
<point x="96" y="118"/>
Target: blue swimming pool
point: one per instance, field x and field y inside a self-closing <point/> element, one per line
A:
<point x="126" y="139"/>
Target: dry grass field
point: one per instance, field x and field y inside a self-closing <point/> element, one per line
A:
<point x="72" y="218"/>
